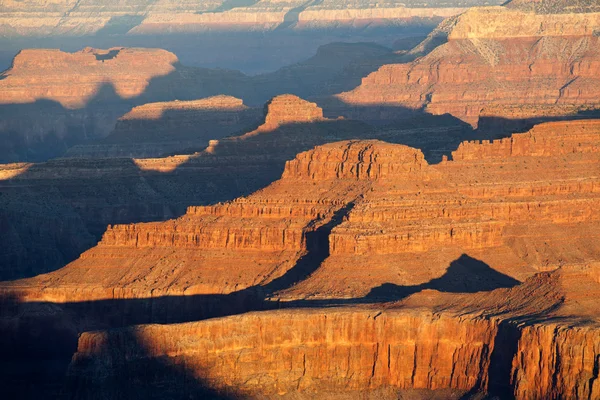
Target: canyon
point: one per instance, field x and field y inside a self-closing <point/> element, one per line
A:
<point x="412" y="218"/>
<point x="51" y="101"/>
<point x="490" y="256"/>
<point x="44" y="204"/>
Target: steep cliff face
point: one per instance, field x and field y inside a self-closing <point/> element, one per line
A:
<point x="352" y="222"/>
<point x="50" y="100"/>
<point x="512" y="343"/>
<point x="123" y="190"/>
<point x="314" y="353"/>
<point x="497" y="63"/>
<point x="82" y="74"/>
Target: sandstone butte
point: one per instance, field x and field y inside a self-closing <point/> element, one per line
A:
<point x="362" y="222"/>
<point x="51" y="100"/>
<point x="498" y="62"/>
<point x="75" y="17"/>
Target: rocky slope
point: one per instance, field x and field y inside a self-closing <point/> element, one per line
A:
<point x="498" y="64"/>
<point x="71" y="17"/>
<point x="51" y="100"/>
<point x="348" y="223"/>
<point x="124" y="190"/>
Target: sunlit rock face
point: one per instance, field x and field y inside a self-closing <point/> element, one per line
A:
<point x="377" y="213"/>
<point x="73" y="79"/>
<point x="35" y="17"/>
<point x="42" y="204"/>
<point x="488" y="264"/>
<point x="498" y="63"/>
<point x="451" y="345"/>
<point x="50" y="100"/>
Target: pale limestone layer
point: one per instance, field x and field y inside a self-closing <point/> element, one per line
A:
<point x="34" y="17"/>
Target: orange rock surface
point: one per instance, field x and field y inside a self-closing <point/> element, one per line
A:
<point x="352" y="222"/>
<point x="72" y="79"/>
<point x="497" y="63"/>
<point x="506" y="343"/>
<point x="71" y="17"/>
<point x="521" y="205"/>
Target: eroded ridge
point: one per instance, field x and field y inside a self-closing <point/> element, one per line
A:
<point x="520" y="205"/>
<point x="497" y="63"/>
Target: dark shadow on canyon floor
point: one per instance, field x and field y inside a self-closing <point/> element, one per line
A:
<point x="292" y="17"/>
<point x="464" y="275"/>
<point x="317" y="250"/>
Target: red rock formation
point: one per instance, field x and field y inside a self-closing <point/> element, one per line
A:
<point x="70" y="17"/>
<point x="122" y="190"/>
<point x="526" y="211"/>
<point x="467" y="343"/>
<point x="351" y="222"/>
<point x="498" y="62"/>
<point x="289" y="109"/>
<point x="72" y="79"/>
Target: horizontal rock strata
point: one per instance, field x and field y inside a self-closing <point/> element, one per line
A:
<point x="519" y="205"/>
<point x="517" y="65"/>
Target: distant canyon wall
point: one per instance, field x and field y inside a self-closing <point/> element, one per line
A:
<point x="498" y="63"/>
<point x="86" y="17"/>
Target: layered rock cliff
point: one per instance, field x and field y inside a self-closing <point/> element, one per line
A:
<point x="349" y="222"/>
<point x="458" y="346"/>
<point x="127" y="71"/>
<point x="124" y="190"/>
<point x="382" y="221"/>
<point x="498" y="63"/>
<point x="50" y="100"/>
<point x="72" y="17"/>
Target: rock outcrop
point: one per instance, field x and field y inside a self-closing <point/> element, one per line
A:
<point x="498" y="343"/>
<point x="75" y="78"/>
<point x="50" y="100"/>
<point x="498" y="63"/>
<point x="124" y="190"/>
